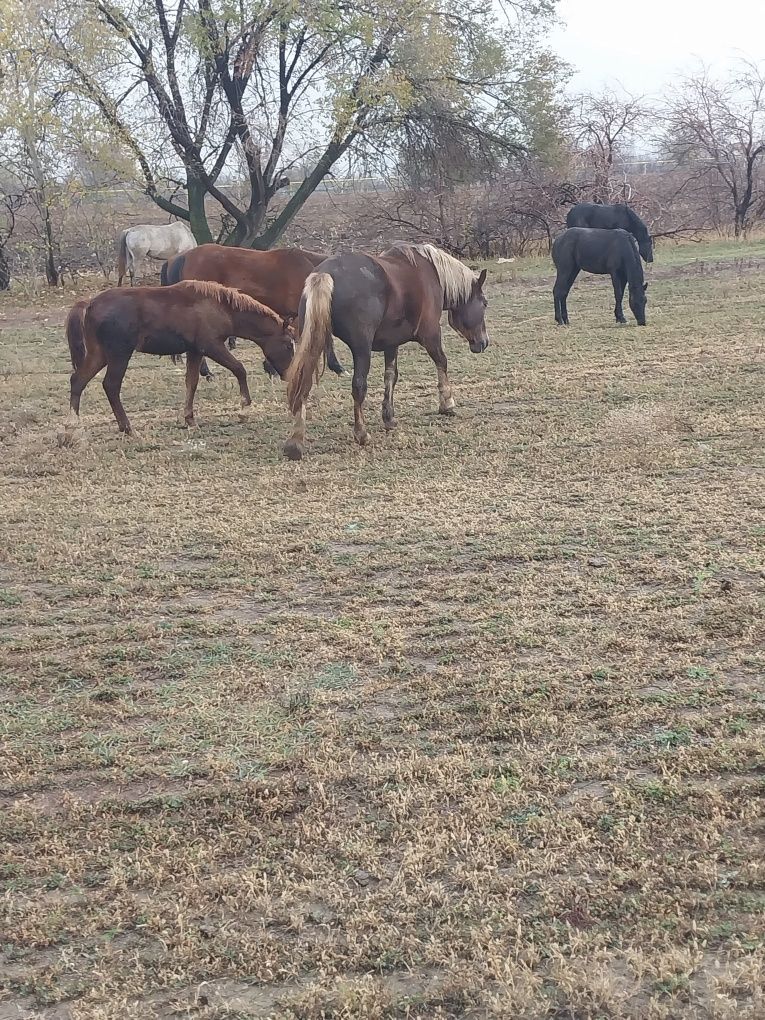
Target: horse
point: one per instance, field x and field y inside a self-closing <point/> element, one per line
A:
<point x="612" y="252"/>
<point x="612" y="217"/>
<point x="191" y="318"/>
<point x="275" y="278"/>
<point x="377" y="304"/>
<point x="147" y="241"/>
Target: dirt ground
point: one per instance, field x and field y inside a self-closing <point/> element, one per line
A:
<point x="466" y="724"/>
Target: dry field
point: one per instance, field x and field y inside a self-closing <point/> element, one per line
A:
<point x="466" y="724"/>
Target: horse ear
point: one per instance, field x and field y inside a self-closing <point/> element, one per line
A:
<point x="481" y="279"/>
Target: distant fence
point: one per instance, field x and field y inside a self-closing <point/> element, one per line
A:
<point x="355" y="185"/>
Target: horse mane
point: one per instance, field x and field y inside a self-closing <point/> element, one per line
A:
<point x="235" y="299"/>
<point x="457" y="280"/>
<point x="635" y="222"/>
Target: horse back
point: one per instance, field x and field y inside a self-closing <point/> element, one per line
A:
<point x="594" y="249"/>
<point x="275" y="277"/>
<point x="604" y="217"/>
<point x="155" y="320"/>
<point x="386" y="298"/>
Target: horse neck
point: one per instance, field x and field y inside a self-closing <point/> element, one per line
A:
<point x="634" y="268"/>
<point x="252" y="325"/>
<point x="636" y="225"/>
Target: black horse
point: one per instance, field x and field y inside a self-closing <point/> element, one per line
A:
<point x="612" y="252"/>
<point x="613" y="217"/>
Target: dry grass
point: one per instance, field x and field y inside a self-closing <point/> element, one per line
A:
<point x="467" y="724"/>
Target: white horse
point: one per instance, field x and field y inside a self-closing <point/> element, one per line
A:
<point x="145" y="241"/>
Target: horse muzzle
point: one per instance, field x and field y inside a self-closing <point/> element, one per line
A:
<point x="479" y="346"/>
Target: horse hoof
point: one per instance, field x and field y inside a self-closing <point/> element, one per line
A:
<point x="293" y="450"/>
<point x="362" y="438"/>
<point x="449" y="412"/>
<point x="390" y="425"/>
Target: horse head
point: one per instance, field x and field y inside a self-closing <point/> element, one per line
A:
<point x="468" y="317"/>
<point x="645" y="247"/>
<point x="638" y="302"/>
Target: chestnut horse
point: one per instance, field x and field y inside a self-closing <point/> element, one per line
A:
<point x="275" y="278"/>
<point x="377" y="304"/>
<point x="191" y="318"/>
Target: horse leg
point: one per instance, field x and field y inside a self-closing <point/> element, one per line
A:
<point x="435" y="349"/>
<point x="231" y="342"/>
<point x="295" y="445"/>
<point x="115" y="373"/>
<point x="362" y="359"/>
<point x="620" y="282"/>
<point x="94" y="361"/>
<point x="332" y="363"/>
<point x="557" y="300"/>
<point x="135" y="264"/>
<point x="193" y="364"/>
<point x="222" y="356"/>
<point x="563" y="284"/>
<point x="204" y="371"/>
<point x="391" y="378"/>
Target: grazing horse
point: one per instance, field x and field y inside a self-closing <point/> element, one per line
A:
<point x="377" y="304"/>
<point x="191" y="318"/>
<point x="275" y="278"/>
<point x="155" y="242"/>
<point x="613" y="217"/>
<point x="604" y="252"/>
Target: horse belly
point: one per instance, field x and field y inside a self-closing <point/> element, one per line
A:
<point x="165" y="342"/>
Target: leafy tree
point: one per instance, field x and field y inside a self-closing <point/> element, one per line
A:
<point x="224" y="99"/>
<point x="30" y="130"/>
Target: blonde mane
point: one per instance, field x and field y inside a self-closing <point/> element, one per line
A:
<point x="457" y="280"/>
<point x="228" y="296"/>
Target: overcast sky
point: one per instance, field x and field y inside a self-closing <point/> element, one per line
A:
<point x="643" y="44"/>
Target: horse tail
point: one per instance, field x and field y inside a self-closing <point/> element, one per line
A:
<point x="315" y="338"/>
<point x="172" y="270"/>
<point x="75" y="333"/>
<point x="121" y="257"/>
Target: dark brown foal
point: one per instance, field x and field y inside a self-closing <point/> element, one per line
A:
<point x="191" y="318"/>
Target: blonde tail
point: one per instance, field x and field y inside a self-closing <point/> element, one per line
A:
<point x="315" y="337"/>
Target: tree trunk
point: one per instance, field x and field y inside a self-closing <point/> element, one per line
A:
<point x="5" y="270"/>
<point x="246" y="233"/>
<point x="51" y="269"/>
<point x="276" y="228"/>
<point x="200" y="228"/>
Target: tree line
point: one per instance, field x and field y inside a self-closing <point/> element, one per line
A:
<point x="212" y="108"/>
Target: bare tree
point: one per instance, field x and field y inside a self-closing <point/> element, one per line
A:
<point x="717" y="129"/>
<point x="604" y="129"/>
